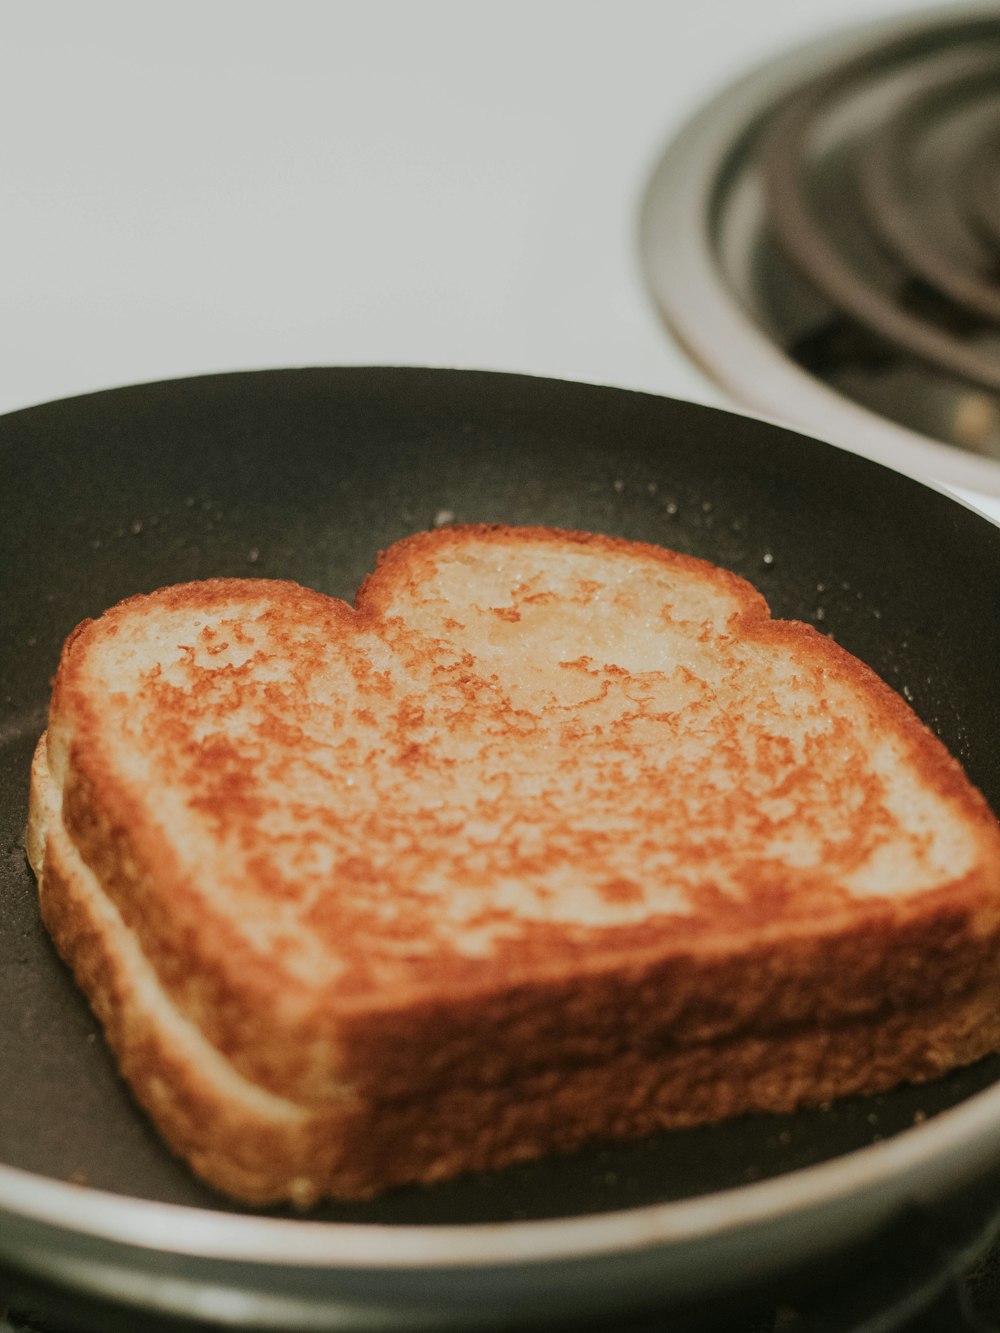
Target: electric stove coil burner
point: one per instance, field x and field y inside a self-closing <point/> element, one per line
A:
<point x="984" y="189"/>
<point x="928" y="285"/>
<point x="841" y="207"/>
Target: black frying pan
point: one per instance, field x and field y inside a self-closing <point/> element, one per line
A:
<point x="306" y="475"/>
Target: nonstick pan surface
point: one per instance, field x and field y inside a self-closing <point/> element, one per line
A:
<point x="306" y="474"/>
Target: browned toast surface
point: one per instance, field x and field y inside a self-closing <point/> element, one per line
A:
<point x="541" y="804"/>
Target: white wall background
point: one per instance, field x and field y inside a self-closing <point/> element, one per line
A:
<point x="213" y="185"/>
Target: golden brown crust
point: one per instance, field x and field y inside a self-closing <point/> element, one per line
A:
<point x="698" y="939"/>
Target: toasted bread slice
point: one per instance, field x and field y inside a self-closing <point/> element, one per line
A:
<point x="552" y="837"/>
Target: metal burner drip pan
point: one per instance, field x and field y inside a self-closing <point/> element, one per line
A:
<point x="821" y="239"/>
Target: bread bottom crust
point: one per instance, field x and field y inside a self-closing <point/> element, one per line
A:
<point x="263" y="1149"/>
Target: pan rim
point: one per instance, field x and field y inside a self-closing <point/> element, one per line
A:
<point x="919" y="469"/>
<point x="969" y="1132"/>
<point x="917" y="1164"/>
<point x="922" y="1161"/>
<point x="962" y="489"/>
